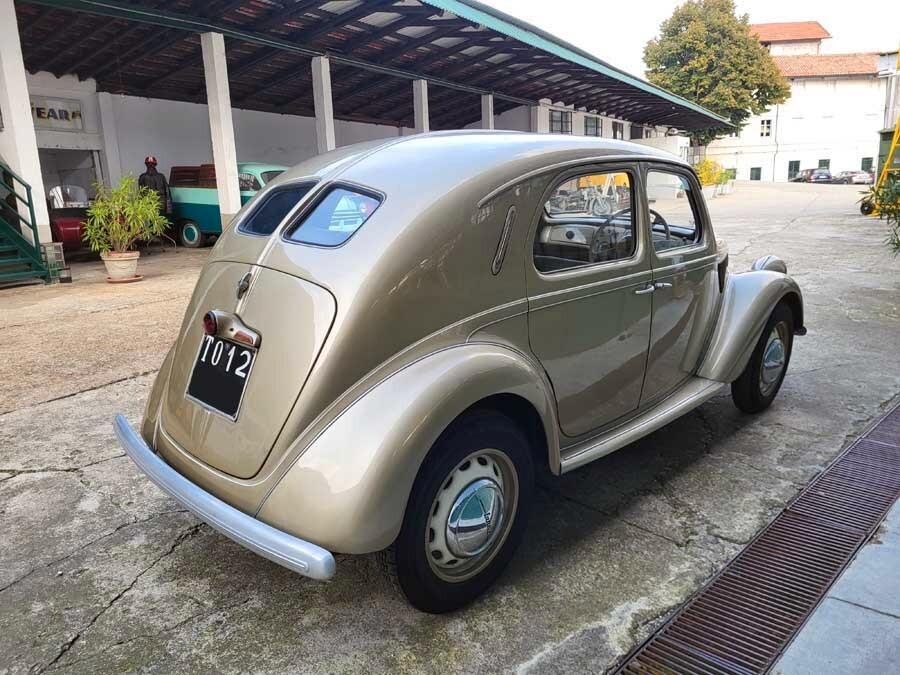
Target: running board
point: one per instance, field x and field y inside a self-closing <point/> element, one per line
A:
<point x="691" y="394"/>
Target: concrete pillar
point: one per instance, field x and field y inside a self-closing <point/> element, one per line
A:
<point x="487" y="111"/>
<point x="321" y="78"/>
<point x="18" y="142"/>
<point x="113" y="161"/>
<point x="420" y="105"/>
<point x="540" y="119"/>
<point x="221" y="128"/>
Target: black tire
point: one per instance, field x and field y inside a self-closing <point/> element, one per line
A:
<point x="408" y="558"/>
<point x="866" y="208"/>
<point x="750" y="392"/>
<point x="189" y="234"/>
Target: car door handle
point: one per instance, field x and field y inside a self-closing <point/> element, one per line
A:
<point x="662" y="284"/>
<point x="646" y="290"/>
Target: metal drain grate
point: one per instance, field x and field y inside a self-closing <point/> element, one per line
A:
<point x="743" y="619"/>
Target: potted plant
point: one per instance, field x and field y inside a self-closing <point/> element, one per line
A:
<point x="117" y="219"/>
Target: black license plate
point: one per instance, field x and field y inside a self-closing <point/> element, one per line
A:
<point x="220" y="375"/>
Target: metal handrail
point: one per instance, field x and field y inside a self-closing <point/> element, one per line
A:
<point x="35" y="243"/>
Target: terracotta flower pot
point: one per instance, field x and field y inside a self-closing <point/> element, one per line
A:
<point x="121" y="267"/>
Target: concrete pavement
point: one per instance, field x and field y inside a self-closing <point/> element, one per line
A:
<point x="100" y="572"/>
<point x="856" y="629"/>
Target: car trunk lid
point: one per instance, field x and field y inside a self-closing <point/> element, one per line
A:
<point x="292" y="317"/>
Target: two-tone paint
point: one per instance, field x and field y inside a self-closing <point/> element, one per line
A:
<point x="200" y="205"/>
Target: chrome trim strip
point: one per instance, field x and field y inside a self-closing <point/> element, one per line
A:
<point x="279" y="547"/>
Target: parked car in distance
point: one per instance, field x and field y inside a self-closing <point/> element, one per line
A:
<point x="854" y="178"/>
<point x="67" y="206"/>
<point x="391" y="381"/>
<point x="195" y="200"/>
<point x="812" y="176"/>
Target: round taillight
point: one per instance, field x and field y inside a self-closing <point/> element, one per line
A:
<point x="210" y="325"/>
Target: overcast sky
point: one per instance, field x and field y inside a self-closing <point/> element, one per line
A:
<point x="617" y="32"/>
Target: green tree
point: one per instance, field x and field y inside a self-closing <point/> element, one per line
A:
<point x="705" y="52"/>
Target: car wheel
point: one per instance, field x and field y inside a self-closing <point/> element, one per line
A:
<point x="466" y="513"/>
<point x="189" y="234"/>
<point x="866" y="208"/>
<point x="758" y="385"/>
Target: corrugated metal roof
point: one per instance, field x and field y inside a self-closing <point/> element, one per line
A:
<point x="151" y="48"/>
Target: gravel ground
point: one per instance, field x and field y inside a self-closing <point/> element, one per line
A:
<point x="100" y="572"/>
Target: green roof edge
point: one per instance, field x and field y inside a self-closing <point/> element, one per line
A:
<point x="525" y="32"/>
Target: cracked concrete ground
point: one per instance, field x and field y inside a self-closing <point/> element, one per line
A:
<point x="100" y="572"/>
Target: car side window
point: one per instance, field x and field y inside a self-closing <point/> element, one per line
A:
<point x="587" y="220"/>
<point x="247" y="182"/>
<point x="674" y="219"/>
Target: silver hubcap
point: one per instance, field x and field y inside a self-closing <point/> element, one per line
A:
<point x="471" y="515"/>
<point x="774" y="359"/>
<point x="475" y="518"/>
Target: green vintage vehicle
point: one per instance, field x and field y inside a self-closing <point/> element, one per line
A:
<point x="195" y="199"/>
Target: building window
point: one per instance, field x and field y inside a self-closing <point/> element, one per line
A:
<point x="824" y="163"/>
<point x="866" y="164"/>
<point x="765" y="127"/>
<point x="592" y="126"/>
<point x="637" y="131"/>
<point x="619" y="130"/>
<point x="756" y="173"/>
<point x="793" y="169"/>
<point x="560" y="122"/>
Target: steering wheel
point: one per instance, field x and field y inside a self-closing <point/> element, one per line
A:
<point x="655" y="219"/>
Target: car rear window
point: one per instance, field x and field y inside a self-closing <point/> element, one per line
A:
<point x="269" y="176"/>
<point x="273" y="209"/>
<point x="337" y="215"/>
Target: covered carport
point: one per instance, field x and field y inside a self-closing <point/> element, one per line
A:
<point x="405" y="65"/>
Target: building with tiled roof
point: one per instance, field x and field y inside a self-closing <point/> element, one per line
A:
<point x="828" y="65"/>
<point x="793" y="31"/>
<point x="838" y="105"/>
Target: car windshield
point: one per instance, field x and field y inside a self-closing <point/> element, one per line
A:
<point x="269" y="176"/>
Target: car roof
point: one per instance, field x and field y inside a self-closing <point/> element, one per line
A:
<point x="438" y="162"/>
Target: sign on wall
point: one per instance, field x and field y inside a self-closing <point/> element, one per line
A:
<point x="63" y="114"/>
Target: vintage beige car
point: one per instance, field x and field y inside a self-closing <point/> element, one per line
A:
<point x="391" y="337"/>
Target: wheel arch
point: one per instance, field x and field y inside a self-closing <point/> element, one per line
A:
<point x="348" y="489"/>
<point x="749" y="299"/>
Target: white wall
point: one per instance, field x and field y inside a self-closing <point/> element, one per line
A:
<point x="70" y="87"/>
<point x="178" y="133"/>
<point x="795" y="48"/>
<point x="825" y="118"/>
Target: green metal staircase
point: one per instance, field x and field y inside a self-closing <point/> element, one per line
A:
<point x="20" y="257"/>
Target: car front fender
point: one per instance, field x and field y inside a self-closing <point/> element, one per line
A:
<point x="347" y="491"/>
<point x="749" y="299"/>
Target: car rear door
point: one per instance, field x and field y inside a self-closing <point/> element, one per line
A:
<point x="587" y="280"/>
<point x="685" y="281"/>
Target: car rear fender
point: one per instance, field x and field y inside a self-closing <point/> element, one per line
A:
<point x="347" y="490"/>
<point x="749" y="299"/>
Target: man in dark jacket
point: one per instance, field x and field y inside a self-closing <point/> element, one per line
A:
<point x="154" y="180"/>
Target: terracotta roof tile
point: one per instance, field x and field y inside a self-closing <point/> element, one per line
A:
<point x="789" y="31"/>
<point x="821" y="65"/>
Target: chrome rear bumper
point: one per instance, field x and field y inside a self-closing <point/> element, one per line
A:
<point x="279" y="547"/>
